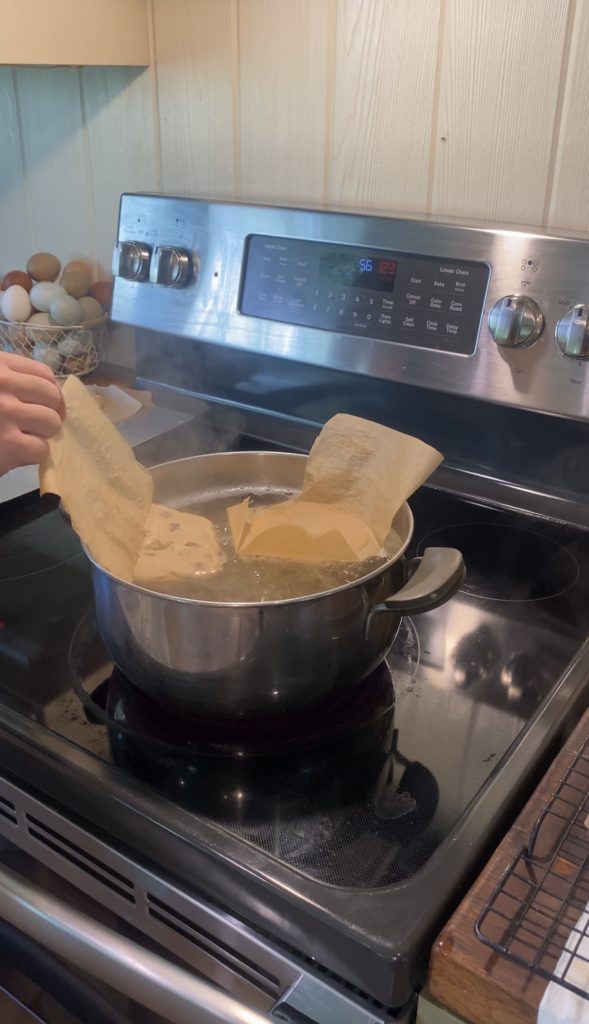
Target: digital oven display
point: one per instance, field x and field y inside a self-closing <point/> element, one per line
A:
<point x="371" y="272"/>
<point x="408" y="299"/>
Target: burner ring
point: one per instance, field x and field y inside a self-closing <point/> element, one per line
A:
<point x="38" y="572"/>
<point x="38" y="545"/>
<point x="508" y="564"/>
<point x="93" y="678"/>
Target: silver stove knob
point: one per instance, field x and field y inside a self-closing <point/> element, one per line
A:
<point x="131" y="260"/>
<point x="171" y="267"/>
<point x="515" y="321"/>
<point x="572" y="333"/>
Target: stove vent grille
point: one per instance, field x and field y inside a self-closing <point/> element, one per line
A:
<point x="8" y="810"/>
<point x="80" y="858"/>
<point x="211" y="941"/>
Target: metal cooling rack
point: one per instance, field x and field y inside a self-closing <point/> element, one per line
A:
<point x="538" y="914"/>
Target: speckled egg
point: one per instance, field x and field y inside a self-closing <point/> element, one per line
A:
<point x="43" y="294"/>
<point x="76" y="283"/>
<point x="92" y="308"/>
<point x="43" y="266"/>
<point x="66" y="310"/>
<point x="16" y="305"/>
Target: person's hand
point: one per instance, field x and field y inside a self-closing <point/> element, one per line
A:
<point x="31" y="411"/>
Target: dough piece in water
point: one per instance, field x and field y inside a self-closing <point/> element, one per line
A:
<point x="179" y="547"/>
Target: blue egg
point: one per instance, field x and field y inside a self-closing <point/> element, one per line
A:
<point x="66" y="310"/>
<point x="43" y="294"/>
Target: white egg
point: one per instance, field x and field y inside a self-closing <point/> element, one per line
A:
<point x="47" y="331"/>
<point x="70" y="347"/>
<point x="45" y="354"/>
<point x="16" y="305"/>
<point x="43" y="294"/>
<point x="66" y="310"/>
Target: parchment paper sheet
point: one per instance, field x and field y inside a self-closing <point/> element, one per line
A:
<point x="358" y="475"/>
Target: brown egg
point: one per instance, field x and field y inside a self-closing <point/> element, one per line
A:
<point x="43" y="266"/>
<point x="76" y="282"/>
<point x="78" y="265"/>
<point x="102" y="290"/>
<point x="91" y="307"/>
<point x="17" y="277"/>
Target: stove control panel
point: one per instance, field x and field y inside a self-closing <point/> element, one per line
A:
<point x="516" y="321"/>
<point x="396" y="297"/>
<point x="168" y="265"/>
<point x="492" y="313"/>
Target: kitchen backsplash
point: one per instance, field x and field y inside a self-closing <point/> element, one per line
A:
<point x="474" y="108"/>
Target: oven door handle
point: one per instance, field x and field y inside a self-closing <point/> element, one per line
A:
<point x="125" y="966"/>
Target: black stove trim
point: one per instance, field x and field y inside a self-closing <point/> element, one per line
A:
<point x="297" y="434"/>
<point x="360" y="936"/>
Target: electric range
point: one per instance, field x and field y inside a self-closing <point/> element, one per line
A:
<point x="304" y="865"/>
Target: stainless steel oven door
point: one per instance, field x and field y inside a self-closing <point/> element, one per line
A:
<point x="155" y="952"/>
<point x="37" y="986"/>
<point x="96" y="974"/>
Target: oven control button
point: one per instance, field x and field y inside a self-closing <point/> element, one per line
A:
<point x="171" y="267"/>
<point x="131" y="260"/>
<point x="572" y="333"/>
<point x="515" y="321"/>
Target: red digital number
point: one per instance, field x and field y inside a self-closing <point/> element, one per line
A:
<point x="387" y="268"/>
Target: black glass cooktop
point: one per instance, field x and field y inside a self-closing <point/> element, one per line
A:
<point x="358" y="793"/>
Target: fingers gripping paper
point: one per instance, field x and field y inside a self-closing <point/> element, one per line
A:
<point x="108" y="497"/>
<point x="357" y="477"/>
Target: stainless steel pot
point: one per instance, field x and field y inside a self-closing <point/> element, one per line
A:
<point x="251" y="659"/>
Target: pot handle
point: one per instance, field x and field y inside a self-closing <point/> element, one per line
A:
<point x="439" y="574"/>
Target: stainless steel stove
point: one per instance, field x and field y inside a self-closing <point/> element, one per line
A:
<point x="300" y="872"/>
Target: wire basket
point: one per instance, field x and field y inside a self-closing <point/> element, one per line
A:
<point x="536" y="915"/>
<point x="66" y="350"/>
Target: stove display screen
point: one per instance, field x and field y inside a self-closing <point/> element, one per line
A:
<point x="422" y="301"/>
<point x="337" y="268"/>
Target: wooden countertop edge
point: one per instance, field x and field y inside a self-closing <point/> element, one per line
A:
<point x="468" y="977"/>
<point x="463" y="990"/>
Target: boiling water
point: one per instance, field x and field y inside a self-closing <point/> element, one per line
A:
<point x="262" y="579"/>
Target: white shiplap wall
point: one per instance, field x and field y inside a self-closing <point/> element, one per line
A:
<point x="70" y="141"/>
<point x="474" y="108"/>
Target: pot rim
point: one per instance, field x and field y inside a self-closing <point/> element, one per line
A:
<point x="318" y="595"/>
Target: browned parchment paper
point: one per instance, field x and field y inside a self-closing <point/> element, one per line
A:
<point x="108" y="497"/>
<point x="357" y="477"/>
<point x="104" y="490"/>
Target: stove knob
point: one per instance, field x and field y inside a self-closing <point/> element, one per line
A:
<point x="572" y="333"/>
<point x="131" y="260"/>
<point x="515" y="321"/>
<point x="171" y="267"/>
